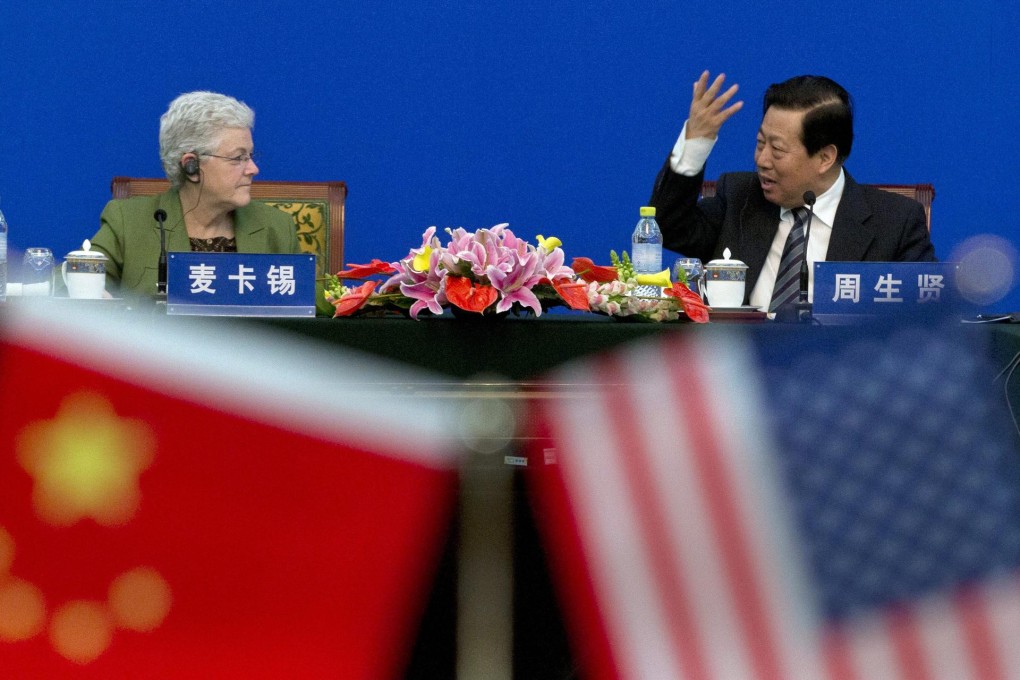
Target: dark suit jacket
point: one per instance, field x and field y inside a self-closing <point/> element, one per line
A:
<point x="871" y="225"/>
<point x="129" y="236"/>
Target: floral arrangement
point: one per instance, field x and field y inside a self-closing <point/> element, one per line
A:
<point x="492" y="271"/>
<point x="611" y="291"/>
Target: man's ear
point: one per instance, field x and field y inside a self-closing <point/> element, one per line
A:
<point x="827" y="157"/>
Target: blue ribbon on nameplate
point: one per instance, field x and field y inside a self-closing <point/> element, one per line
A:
<point x="875" y="289"/>
<point x="240" y="284"/>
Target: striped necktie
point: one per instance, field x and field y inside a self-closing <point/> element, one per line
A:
<point x="787" y="286"/>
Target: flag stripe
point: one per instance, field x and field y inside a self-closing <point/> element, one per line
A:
<point x="729" y="526"/>
<point x="1000" y="601"/>
<point x="907" y="644"/>
<point x="610" y="532"/>
<point x="573" y="576"/>
<point x="976" y="635"/>
<point x="952" y="637"/>
<point x="941" y="641"/>
<point x="839" y="662"/>
<point x="684" y="512"/>
<point x="873" y="652"/>
<point x="760" y="498"/>
<point x="693" y="541"/>
<point x="667" y="572"/>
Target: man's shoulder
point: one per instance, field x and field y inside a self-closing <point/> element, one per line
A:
<point x="738" y="181"/>
<point x="879" y="198"/>
<point x="741" y="176"/>
<point x="737" y="185"/>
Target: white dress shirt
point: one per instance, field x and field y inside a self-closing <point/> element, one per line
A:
<point x="818" y="243"/>
<point x="689" y="157"/>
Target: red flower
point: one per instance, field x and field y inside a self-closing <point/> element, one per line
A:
<point x="354" y="300"/>
<point x="589" y="271"/>
<point x="473" y="297"/>
<point x="691" y="302"/>
<point x="574" y="293"/>
<point x="361" y="271"/>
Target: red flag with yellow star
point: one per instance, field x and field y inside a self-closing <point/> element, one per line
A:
<point x="184" y="499"/>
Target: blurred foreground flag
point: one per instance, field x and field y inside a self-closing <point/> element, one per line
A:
<point x="199" y="500"/>
<point x="829" y="504"/>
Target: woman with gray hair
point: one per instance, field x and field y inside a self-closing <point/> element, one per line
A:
<point x="205" y="143"/>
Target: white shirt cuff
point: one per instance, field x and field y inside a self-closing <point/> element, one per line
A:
<point x="689" y="155"/>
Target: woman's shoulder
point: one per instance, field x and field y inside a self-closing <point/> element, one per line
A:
<point x="277" y="231"/>
<point x="257" y="211"/>
<point x="261" y="208"/>
<point x="136" y="204"/>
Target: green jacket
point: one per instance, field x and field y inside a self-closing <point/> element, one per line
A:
<point x="129" y="236"/>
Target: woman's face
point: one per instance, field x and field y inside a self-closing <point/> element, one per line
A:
<point x="227" y="172"/>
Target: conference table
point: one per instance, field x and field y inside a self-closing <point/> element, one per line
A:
<point x="515" y="354"/>
<point x="510" y="359"/>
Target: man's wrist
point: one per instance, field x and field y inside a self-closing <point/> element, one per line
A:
<point x="689" y="155"/>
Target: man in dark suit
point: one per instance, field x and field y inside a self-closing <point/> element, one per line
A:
<point x="804" y="138"/>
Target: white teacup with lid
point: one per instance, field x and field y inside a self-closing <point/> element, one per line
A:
<point x="724" y="281"/>
<point x="84" y="273"/>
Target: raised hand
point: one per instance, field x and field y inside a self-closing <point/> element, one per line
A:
<point x="709" y="109"/>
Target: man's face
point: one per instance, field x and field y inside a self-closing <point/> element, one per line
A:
<point x="785" y="169"/>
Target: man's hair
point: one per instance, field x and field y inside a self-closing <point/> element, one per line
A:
<point x="194" y="123"/>
<point x="830" y="114"/>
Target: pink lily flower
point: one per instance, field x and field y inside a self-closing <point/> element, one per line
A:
<point x="515" y="286"/>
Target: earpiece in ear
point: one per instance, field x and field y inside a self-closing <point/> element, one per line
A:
<point x="190" y="167"/>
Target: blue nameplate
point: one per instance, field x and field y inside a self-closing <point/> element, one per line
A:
<point x="874" y="289"/>
<point x="240" y="284"/>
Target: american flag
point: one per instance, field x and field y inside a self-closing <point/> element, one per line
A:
<point x="823" y="503"/>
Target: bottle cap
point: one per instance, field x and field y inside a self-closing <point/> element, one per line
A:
<point x="648" y="211"/>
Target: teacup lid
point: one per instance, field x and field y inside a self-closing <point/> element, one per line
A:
<point x="726" y="262"/>
<point x="86" y="253"/>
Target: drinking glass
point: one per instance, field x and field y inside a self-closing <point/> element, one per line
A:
<point x="37" y="272"/>
<point x="695" y="273"/>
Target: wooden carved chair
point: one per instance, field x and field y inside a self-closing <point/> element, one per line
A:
<point x="317" y="209"/>
<point x="922" y="193"/>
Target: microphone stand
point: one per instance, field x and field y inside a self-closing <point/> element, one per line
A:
<point x="161" y="276"/>
<point x="802" y="307"/>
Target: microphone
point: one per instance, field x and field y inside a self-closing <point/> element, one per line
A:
<point x="160" y="217"/>
<point x="809" y="200"/>
<point x="802" y="307"/>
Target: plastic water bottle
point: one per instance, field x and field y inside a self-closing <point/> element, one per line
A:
<point x="646" y="250"/>
<point x="3" y="257"/>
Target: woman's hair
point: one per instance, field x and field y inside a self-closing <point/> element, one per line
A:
<point x="194" y="123"/>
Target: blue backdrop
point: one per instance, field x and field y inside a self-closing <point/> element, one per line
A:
<point x="553" y="116"/>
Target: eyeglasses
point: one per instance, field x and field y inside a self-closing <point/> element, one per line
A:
<point x="238" y="160"/>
